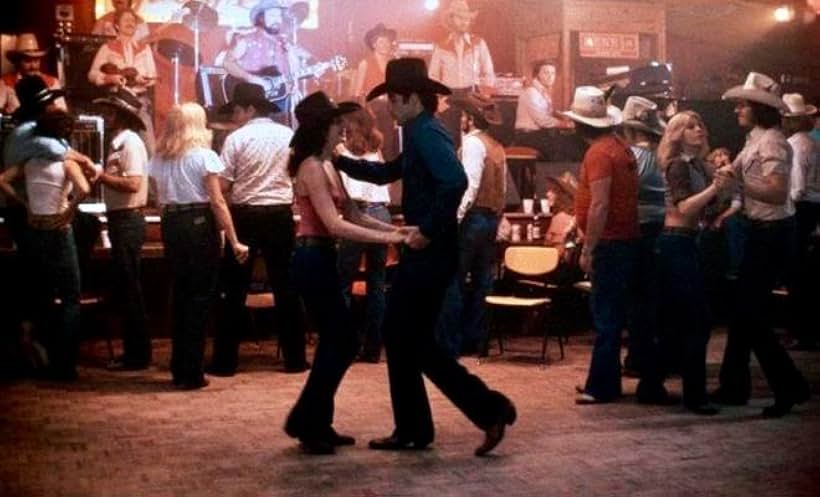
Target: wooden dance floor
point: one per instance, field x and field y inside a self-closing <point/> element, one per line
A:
<point x="130" y="434"/>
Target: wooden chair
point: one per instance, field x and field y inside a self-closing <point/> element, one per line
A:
<point x="527" y="264"/>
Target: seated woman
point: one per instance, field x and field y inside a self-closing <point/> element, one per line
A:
<point x="320" y="197"/>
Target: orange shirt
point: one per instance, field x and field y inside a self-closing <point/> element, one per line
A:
<point x="608" y="156"/>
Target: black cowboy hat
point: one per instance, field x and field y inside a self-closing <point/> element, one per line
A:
<point x="319" y="108"/>
<point x="249" y="94"/>
<point x="126" y="104"/>
<point x="407" y="75"/>
<point x="480" y="107"/>
<point x="377" y="31"/>
<point x="34" y="95"/>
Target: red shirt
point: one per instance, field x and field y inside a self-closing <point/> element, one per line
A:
<point x="608" y="156"/>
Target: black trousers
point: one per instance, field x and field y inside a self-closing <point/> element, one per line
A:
<point x="191" y="245"/>
<point x="126" y="229"/>
<point x="409" y="332"/>
<point x="806" y="283"/>
<point x="767" y="251"/>
<point x="269" y="230"/>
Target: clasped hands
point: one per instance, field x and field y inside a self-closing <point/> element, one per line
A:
<point x="725" y="179"/>
<point x="413" y="237"/>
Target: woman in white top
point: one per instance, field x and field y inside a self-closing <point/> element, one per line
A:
<point x="51" y="239"/>
<point x="186" y="172"/>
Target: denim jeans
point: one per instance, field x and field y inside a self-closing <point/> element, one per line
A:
<point x="269" y="230"/>
<point x="350" y="254"/>
<point x="463" y="319"/>
<point x="192" y="247"/>
<point x="315" y="275"/>
<point x="736" y="243"/>
<point x="644" y="328"/>
<point x="766" y="252"/>
<point x="684" y="309"/>
<point x="126" y="229"/>
<point x="58" y="273"/>
<point x="613" y="281"/>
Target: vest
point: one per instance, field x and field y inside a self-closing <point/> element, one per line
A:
<point x="492" y="191"/>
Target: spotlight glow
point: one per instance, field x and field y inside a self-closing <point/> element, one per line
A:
<point x="431" y="4"/>
<point x="784" y="13"/>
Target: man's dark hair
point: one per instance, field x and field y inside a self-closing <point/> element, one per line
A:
<point x="428" y="100"/>
<point x="591" y="132"/>
<point x="56" y="123"/>
<point x="765" y="116"/>
<point x="478" y="121"/>
<point x="538" y="64"/>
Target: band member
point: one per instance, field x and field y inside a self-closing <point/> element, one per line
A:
<point x="259" y="191"/>
<point x="266" y="51"/>
<point x="460" y="61"/>
<point x="125" y="182"/>
<point x="106" y="25"/>
<point x="381" y="42"/>
<point x="125" y="62"/>
<point x="27" y="58"/>
<point x="434" y="184"/>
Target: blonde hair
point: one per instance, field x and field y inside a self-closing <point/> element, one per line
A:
<point x="671" y="145"/>
<point x="185" y="129"/>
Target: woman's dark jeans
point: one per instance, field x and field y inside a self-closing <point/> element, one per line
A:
<point x="54" y="254"/>
<point x="684" y="309"/>
<point x="192" y="248"/>
<point x="317" y="280"/>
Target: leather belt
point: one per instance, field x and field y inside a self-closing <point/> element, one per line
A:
<point x="315" y="241"/>
<point x="185" y="207"/>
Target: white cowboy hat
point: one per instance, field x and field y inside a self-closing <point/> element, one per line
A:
<point x="797" y="106"/>
<point x="589" y="107"/>
<point x="642" y="113"/>
<point x="757" y="88"/>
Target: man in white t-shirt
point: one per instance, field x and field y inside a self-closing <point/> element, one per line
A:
<point x="259" y="190"/>
<point x="125" y="192"/>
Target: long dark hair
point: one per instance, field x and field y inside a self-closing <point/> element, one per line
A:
<point x="309" y="139"/>
<point x="765" y="116"/>
<point x="56" y="123"/>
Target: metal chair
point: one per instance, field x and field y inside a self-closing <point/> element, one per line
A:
<point x="526" y="265"/>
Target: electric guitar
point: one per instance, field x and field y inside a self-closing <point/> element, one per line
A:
<point x="277" y="85"/>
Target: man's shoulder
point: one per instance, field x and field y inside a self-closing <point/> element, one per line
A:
<point x="262" y="128"/>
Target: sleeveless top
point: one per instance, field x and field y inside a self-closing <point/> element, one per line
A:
<point x="310" y="224"/>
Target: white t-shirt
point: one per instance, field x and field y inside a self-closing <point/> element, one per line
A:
<point x="47" y="186"/>
<point x="128" y="158"/>
<point x="362" y="190"/>
<point x="182" y="181"/>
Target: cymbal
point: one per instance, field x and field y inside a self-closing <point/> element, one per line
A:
<point x="200" y="16"/>
<point x="170" y="48"/>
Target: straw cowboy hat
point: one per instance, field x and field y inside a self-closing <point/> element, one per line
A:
<point x="480" y="107"/>
<point x="642" y="113"/>
<point x="126" y="104"/>
<point x="33" y="94"/>
<point x="407" y="75"/>
<point x="457" y="8"/>
<point x="566" y="182"/>
<point x="246" y="94"/>
<point x="25" y="46"/>
<point x="797" y="106"/>
<point x="267" y="5"/>
<point x="379" y="30"/>
<point x="757" y="88"/>
<point x="589" y="107"/>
